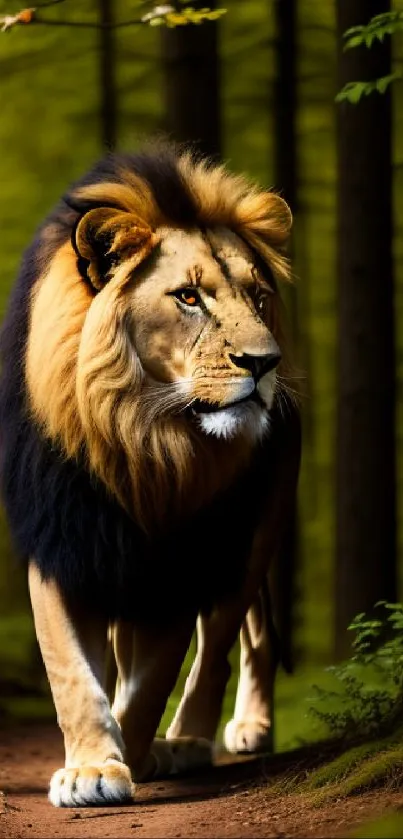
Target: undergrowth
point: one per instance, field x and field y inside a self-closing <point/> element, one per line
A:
<point x="369" y="700"/>
<point x="363" y="715"/>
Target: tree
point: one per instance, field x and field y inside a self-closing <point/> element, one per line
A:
<point x="107" y="73"/>
<point x="285" y="167"/>
<point x="192" y="83"/>
<point x="366" y="526"/>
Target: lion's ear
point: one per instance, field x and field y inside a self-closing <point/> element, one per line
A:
<point x="105" y="237"/>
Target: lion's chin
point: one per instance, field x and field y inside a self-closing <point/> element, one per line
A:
<point x="248" y="418"/>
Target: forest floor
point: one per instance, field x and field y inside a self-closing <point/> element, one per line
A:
<point x="241" y="798"/>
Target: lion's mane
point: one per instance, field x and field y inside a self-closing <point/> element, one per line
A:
<point x="83" y="482"/>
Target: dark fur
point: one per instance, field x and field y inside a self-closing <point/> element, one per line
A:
<point x="65" y="519"/>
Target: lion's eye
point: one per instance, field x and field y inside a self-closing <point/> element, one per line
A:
<point x="261" y="301"/>
<point x="259" y="297"/>
<point x="188" y="296"/>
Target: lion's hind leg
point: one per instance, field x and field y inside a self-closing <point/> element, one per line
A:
<point x="148" y="664"/>
<point x="198" y="714"/>
<point x="251" y="728"/>
<point x="73" y="650"/>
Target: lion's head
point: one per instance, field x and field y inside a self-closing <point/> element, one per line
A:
<point x="155" y="337"/>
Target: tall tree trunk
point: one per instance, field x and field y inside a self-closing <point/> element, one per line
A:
<point x="191" y="84"/>
<point x="366" y="527"/>
<point x="283" y="572"/>
<point x="107" y="81"/>
<point x="285" y="100"/>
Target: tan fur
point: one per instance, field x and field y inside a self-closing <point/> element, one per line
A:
<point x="113" y="361"/>
<point x="251" y="727"/>
<point x="223" y="199"/>
<point x="228" y="200"/>
<point x="107" y="393"/>
<point x="58" y="311"/>
<point x="73" y="650"/>
<point x="99" y="763"/>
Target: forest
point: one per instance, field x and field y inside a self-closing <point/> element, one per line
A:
<point x="260" y="86"/>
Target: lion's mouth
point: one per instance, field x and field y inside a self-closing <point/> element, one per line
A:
<point x="201" y="407"/>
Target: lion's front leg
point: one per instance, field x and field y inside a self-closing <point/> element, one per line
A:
<point x="149" y="661"/>
<point x="73" y="650"/>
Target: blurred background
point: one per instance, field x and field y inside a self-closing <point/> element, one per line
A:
<point x="256" y="87"/>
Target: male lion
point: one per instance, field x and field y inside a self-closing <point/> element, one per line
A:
<point x="147" y="459"/>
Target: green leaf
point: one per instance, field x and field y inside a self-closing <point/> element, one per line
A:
<point x="375" y="30"/>
<point x="352" y="92"/>
<point x="355" y="41"/>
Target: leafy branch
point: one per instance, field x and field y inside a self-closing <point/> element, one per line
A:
<point x="379" y="26"/>
<point x="179" y="13"/>
<point x="354" y="91"/>
<point x="367" y="35"/>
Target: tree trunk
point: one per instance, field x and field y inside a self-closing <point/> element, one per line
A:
<point x="191" y="84"/>
<point x="366" y="526"/>
<point x="285" y="100"/>
<point x="284" y="569"/>
<point x="107" y="81"/>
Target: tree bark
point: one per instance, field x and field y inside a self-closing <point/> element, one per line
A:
<point x="191" y="84"/>
<point x="366" y="526"/>
<point x="285" y="100"/>
<point x="285" y="168"/>
<point x="107" y="80"/>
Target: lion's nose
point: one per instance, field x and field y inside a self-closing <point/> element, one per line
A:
<point x="258" y="365"/>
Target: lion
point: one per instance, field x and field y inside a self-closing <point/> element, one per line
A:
<point x="149" y="458"/>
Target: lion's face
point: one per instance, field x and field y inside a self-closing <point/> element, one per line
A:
<point x="200" y="316"/>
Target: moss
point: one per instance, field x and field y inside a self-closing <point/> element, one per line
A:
<point x="360" y="768"/>
<point x="356" y="769"/>
<point x="341" y="766"/>
<point x="384" y="769"/>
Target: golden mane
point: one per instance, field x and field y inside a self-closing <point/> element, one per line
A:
<point x="220" y="198"/>
<point x="82" y="370"/>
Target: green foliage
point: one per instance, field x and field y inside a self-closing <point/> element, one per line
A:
<point x="369" y="702"/>
<point x="386" y="24"/>
<point x="354" y="91"/>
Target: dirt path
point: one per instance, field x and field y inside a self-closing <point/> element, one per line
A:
<point x="229" y="801"/>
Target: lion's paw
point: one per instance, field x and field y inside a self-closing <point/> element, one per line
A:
<point x="248" y="736"/>
<point x="87" y="786"/>
<point x="176" y="757"/>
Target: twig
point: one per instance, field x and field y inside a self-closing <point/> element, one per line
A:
<point x="24" y="16"/>
<point x="32" y="15"/>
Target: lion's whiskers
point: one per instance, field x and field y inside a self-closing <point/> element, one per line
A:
<point x="167" y="397"/>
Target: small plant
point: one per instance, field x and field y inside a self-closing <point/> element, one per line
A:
<point x="369" y="702"/>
